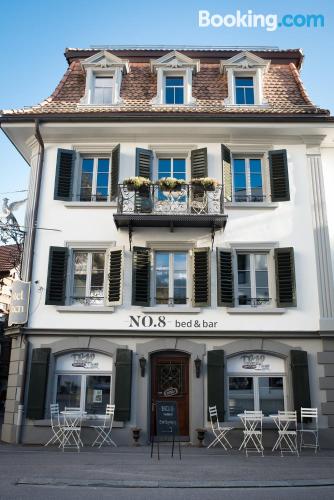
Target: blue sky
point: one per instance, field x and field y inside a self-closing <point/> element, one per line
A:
<point x="35" y="33"/>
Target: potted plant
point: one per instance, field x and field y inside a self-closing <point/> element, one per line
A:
<point x="136" y="435"/>
<point x="200" y="436"/>
<point x="205" y="183"/>
<point x="170" y="184"/>
<point x="141" y="184"/>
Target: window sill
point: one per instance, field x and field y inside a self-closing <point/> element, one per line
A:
<point x="87" y="422"/>
<point x="251" y="205"/>
<point x="256" y="310"/>
<point x="85" y="309"/>
<point x="172" y="310"/>
<point x="90" y="204"/>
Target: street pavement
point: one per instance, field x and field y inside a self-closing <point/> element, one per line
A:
<point x="130" y="473"/>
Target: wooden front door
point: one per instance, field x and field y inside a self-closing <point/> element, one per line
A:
<point x="170" y="382"/>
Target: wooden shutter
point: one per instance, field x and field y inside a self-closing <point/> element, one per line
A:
<point x="144" y="163"/>
<point x="114" y="177"/>
<point x="201" y="277"/>
<point x="38" y="383"/>
<point x="123" y="385"/>
<point x="300" y="380"/>
<point x="64" y="174"/>
<point x="285" y="277"/>
<point x="57" y="272"/>
<point x="141" y="272"/>
<point x="279" y="175"/>
<point x="227" y="173"/>
<point x="113" y="290"/>
<point x="225" y="281"/>
<point x="216" y="382"/>
<point x="199" y="163"/>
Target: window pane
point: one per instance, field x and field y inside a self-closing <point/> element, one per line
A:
<point x="103" y="81"/>
<point x="244" y="81"/>
<point x="86" y="179"/>
<point x="103" y="165"/>
<point x="169" y="95"/>
<point x="164" y="168"/>
<point x="249" y="92"/>
<point x="239" y="179"/>
<point x="240" y="95"/>
<point x="179" y="165"/>
<point x="244" y="296"/>
<point x="172" y="81"/>
<point x="180" y="296"/>
<point x="271" y="395"/>
<point x="80" y="262"/>
<point x="162" y="259"/>
<point x="241" y="395"/>
<point x="68" y="391"/>
<point x="162" y="277"/>
<point x="243" y="261"/>
<point x="97" y="394"/>
<point x="178" y="95"/>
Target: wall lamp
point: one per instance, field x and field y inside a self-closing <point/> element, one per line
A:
<point x="198" y="364"/>
<point x="142" y="364"/>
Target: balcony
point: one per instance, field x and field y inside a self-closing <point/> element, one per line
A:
<point x="189" y="206"/>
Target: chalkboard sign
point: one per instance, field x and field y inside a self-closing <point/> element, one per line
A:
<point x="167" y="422"/>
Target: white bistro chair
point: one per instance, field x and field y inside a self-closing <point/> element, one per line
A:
<point x="311" y="429"/>
<point x="71" y="428"/>
<point x="55" y="426"/>
<point x="218" y="431"/>
<point x="252" y="441"/>
<point x="104" y="430"/>
<point x="287" y="432"/>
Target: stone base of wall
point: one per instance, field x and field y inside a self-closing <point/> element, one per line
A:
<point x="326" y="383"/>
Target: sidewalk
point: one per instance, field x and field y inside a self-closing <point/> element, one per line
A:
<point x="133" y="468"/>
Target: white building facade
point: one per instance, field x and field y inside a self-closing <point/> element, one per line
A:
<point x="200" y="292"/>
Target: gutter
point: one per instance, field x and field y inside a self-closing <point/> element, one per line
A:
<point x="28" y="276"/>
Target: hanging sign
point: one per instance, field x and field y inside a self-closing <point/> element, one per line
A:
<point x="19" y="303"/>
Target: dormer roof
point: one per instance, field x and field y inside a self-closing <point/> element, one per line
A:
<point x="175" y="59"/>
<point x="105" y="59"/>
<point x="244" y="60"/>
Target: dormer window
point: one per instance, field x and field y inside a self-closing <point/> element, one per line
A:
<point x="244" y="90"/>
<point x="104" y="73"/>
<point x="174" y="79"/>
<point x="245" y="73"/>
<point x="174" y="90"/>
<point x="103" y="90"/>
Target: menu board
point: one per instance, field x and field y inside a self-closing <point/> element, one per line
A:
<point x="167" y="422"/>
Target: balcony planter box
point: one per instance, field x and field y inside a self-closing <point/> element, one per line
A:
<point x="170" y="185"/>
<point x="204" y="184"/>
<point x="140" y="184"/>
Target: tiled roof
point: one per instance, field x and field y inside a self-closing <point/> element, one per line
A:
<point x="8" y="257"/>
<point x="283" y="92"/>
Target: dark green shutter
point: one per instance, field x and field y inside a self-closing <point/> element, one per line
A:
<point x="216" y="381"/>
<point x="115" y="156"/>
<point x="279" y="175"/>
<point x="115" y="277"/>
<point x="201" y="277"/>
<point x="285" y="277"/>
<point x="57" y="272"/>
<point x="141" y="271"/>
<point x="199" y="163"/>
<point x="300" y="380"/>
<point x="225" y="285"/>
<point x="144" y="163"/>
<point x="64" y="174"/>
<point x="38" y="383"/>
<point x="123" y="385"/>
<point x="227" y="173"/>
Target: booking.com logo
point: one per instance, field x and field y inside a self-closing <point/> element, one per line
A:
<point x="270" y="22"/>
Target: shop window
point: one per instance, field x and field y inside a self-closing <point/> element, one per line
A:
<point x="83" y="380"/>
<point x="256" y="381"/>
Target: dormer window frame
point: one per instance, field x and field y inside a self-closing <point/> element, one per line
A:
<point x="174" y="64"/>
<point x="103" y="64"/>
<point x="242" y="65"/>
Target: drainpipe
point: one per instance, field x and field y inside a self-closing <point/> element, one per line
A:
<point x="28" y="276"/>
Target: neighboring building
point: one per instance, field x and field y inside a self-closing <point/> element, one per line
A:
<point x="132" y="290"/>
<point x="8" y="261"/>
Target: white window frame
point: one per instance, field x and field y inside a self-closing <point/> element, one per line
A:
<point x="171" y="156"/>
<point x="174" y="75"/>
<point x="162" y="73"/>
<point x="244" y="75"/>
<point x="77" y="183"/>
<point x="256" y="392"/>
<point x="265" y="180"/>
<point x="97" y="76"/>
<point x="271" y="276"/>
<point x="171" y="276"/>
<point x="70" y="275"/>
<point x="83" y="376"/>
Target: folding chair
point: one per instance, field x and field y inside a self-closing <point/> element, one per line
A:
<point x="104" y="431"/>
<point x="287" y="432"/>
<point x="71" y="429"/>
<point x="252" y="421"/>
<point x="310" y="414"/>
<point x="55" y="425"/>
<point x="218" y="431"/>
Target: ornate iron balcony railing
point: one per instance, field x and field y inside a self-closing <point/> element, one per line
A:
<point x="190" y="199"/>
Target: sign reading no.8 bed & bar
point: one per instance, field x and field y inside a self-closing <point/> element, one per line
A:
<point x="19" y="303"/>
